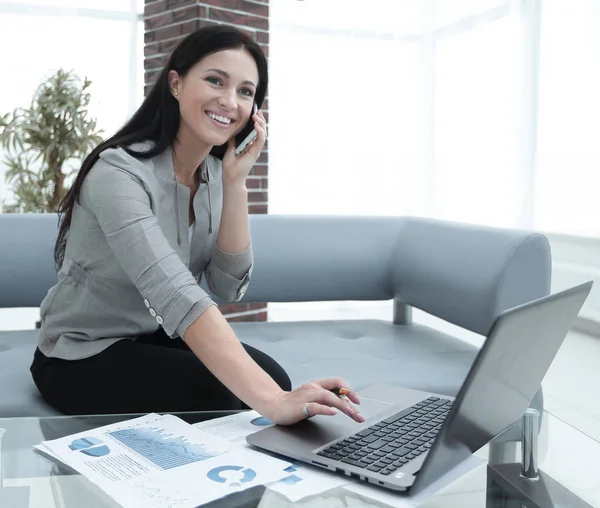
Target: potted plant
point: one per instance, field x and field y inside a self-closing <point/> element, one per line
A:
<point x="42" y="142"/>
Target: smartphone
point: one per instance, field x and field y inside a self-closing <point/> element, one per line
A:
<point x="250" y="137"/>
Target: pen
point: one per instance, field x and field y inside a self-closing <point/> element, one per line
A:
<point x="340" y="391"/>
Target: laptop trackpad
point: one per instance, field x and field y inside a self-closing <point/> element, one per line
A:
<point x="327" y="428"/>
<point x="372" y="407"/>
<point x="296" y="440"/>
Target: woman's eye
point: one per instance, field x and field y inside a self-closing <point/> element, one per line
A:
<point x="214" y="80"/>
<point x="247" y="92"/>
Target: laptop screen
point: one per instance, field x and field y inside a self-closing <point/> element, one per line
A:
<point x="504" y="377"/>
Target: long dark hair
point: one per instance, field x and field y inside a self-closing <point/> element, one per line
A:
<point x="157" y="119"/>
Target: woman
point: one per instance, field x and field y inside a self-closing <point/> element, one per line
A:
<point x="160" y="204"/>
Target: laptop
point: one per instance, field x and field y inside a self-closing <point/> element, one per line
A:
<point x="411" y="438"/>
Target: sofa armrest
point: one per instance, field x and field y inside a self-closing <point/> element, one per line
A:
<point x="467" y="274"/>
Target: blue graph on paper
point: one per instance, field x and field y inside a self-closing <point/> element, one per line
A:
<point x="162" y="448"/>
<point x="91" y="446"/>
<point x="292" y="479"/>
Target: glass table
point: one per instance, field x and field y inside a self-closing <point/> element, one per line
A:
<point x="27" y="479"/>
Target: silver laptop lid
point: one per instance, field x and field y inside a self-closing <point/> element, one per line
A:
<point x="504" y="378"/>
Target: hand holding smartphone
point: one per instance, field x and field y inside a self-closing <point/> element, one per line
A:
<point x="250" y="137"/>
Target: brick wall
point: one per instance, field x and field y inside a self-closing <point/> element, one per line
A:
<point x="166" y="22"/>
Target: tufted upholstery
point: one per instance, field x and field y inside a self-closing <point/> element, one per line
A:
<point x="463" y="274"/>
<point x="364" y="352"/>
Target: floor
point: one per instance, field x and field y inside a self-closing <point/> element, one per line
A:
<point x="571" y="386"/>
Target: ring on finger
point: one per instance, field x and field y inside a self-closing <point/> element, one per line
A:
<point x="305" y="409"/>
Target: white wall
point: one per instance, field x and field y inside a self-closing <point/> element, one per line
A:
<point x="577" y="260"/>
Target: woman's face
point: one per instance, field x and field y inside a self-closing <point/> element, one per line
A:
<point x="217" y="94"/>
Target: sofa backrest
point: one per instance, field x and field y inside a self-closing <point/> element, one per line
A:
<point x="462" y="273"/>
<point x="315" y="258"/>
<point x="295" y="258"/>
<point x="26" y="258"/>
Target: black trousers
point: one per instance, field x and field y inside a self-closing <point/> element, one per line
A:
<point x="154" y="373"/>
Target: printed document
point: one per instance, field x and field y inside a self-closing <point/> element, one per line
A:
<point x="300" y="480"/>
<point x="162" y="461"/>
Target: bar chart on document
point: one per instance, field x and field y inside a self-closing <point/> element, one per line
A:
<point x="164" y="449"/>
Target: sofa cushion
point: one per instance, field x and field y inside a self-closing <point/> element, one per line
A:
<point x="364" y="352"/>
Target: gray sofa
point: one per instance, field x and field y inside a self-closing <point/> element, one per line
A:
<point x="464" y="274"/>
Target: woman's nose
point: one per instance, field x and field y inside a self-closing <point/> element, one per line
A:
<point x="229" y="100"/>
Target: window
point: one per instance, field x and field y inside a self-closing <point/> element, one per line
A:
<point x="344" y="122"/>
<point x="110" y="5"/>
<point x="472" y="132"/>
<point x="568" y="149"/>
<point x="450" y="11"/>
<point x="375" y="16"/>
<point x="44" y="41"/>
<point x="475" y="115"/>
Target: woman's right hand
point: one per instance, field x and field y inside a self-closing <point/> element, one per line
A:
<point x="287" y="407"/>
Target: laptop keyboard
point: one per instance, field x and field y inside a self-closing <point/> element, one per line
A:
<point x="395" y="441"/>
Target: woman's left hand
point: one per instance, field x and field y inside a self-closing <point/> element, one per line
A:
<point x="237" y="168"/>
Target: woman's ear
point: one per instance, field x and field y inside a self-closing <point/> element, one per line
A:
<point x="174" y="82"/>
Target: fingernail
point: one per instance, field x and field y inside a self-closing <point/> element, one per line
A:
<point x="333" y="411"/>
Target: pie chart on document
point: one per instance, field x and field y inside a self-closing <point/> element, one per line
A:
<point x="261" y="421"/>
<point x="233" y="476"/>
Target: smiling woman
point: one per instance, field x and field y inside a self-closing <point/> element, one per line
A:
<point x="216" y="103"/>
<point x="215" y="67"/>
<point x="128" y="328"/>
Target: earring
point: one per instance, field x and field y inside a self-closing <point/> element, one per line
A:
<point x="176" y="94"/>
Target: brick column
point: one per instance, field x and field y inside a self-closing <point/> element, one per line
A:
<point x="166" y="22"/>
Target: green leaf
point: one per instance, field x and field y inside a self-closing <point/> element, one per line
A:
<point x="48" y="139"/>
